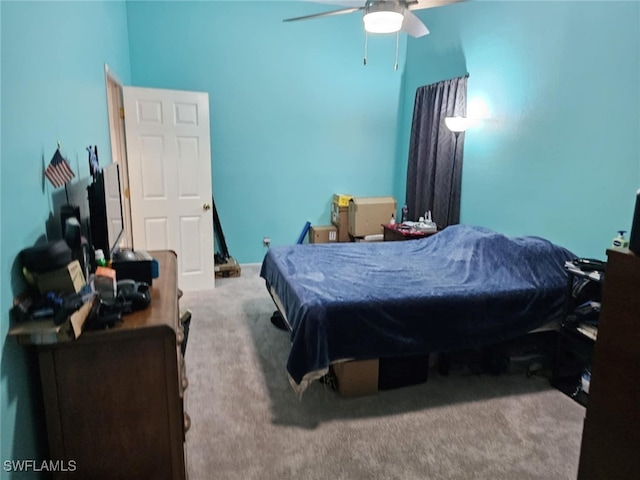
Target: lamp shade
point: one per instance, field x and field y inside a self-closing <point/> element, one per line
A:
<point x="381" y="18"/>
<point x="457" y="124"/>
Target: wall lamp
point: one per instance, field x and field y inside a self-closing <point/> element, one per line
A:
<point x="457" y="125"/>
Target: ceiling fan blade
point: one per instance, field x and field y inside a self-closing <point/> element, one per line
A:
<point x="357" y="3"/>
<point x="324" y="14"/>
<point x="421" y="4"/>
<point x="413" y="26"/>
<point x="341" y="3"/>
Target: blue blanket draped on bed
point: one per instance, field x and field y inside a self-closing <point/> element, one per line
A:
<point x="462" y="288"/>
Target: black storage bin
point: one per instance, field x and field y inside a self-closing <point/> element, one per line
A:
<point x="399" y="372"/>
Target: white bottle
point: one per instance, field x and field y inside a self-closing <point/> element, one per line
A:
<point x="619" y="242"/>
<point x="393" y="219"/>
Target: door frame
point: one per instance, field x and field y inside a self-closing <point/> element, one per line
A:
<point x="115" y="111"/>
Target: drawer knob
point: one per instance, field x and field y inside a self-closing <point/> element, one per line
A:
<point x="187" y="422"/>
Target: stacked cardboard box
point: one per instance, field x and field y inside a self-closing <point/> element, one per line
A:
<point x="368" y="214"/>
<point x="323" y="234"/>
<point x="340" y="215"/>
<point x="69" y="279"/>
<point x="355" y="218"/>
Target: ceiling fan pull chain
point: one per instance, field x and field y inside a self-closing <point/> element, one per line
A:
<point x="395" y="67"/>
<point x="366" y="41"/>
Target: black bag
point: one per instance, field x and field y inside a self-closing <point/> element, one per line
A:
<point x="46" y="257"/>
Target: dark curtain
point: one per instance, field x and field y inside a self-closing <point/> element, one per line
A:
<point x="431" y="152"/>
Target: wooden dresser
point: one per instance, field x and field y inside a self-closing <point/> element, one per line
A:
<point x="114" y="398"/>
<point x="611" y="438"/>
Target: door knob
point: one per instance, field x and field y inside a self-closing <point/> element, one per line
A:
<point x="206" y="206"/>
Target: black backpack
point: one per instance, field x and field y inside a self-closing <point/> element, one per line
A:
<point x="46" y="257"/>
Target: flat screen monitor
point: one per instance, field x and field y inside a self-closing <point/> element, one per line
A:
<point x="105" y="210"/>
<point x="113" y="206"/>
<point x="634" y="240"/>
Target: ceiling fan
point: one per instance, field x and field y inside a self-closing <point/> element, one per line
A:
<point x="384" y="16"/>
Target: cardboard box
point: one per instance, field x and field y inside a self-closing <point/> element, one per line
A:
<point x="323" y="234"/>
<point x="228" y="269"/>
<point x="357" y="377"/>
<point x="368" y="214"/>
<point x="343" y="231"/>
<point x="45" y="332"/>
<point x="365" y="377"/>
<point x="341" y="200"/>
<point x="340" y="218"/>
<point x="69" y="279"/>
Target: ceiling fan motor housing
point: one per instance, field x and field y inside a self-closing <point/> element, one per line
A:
<point x="383" y="17"/>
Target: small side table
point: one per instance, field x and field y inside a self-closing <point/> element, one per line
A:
<point x="574" y="349"/>
<point x="400" y="232"/>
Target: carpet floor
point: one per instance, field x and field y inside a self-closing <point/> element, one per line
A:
<point x="247" y="423"/>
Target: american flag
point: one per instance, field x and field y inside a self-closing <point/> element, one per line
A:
<point x="58" y="172"/>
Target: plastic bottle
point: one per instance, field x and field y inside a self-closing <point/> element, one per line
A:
<point x="405" y="213"/>
<point x="619" y="242"/>
<point x="100" y="260"/>
<point x="393" y="219"/>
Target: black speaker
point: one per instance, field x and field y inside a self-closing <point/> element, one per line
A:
<point x="72" y="233"/>
<point x="634" y="240"/>
<point x="68" y="211"/>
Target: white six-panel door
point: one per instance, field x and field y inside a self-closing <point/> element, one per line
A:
<point x="169" y="156"/>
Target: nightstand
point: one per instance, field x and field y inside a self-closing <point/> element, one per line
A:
<point x="577" y="335"/>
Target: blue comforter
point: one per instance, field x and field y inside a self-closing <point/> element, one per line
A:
<point x="462" y="288"/>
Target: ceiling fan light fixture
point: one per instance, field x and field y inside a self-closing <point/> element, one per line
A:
<point x="381" y="18"/>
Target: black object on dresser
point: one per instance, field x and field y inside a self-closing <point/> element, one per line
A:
<point x="634" y="241"/>
<point x="68" y="211"/>
<point x="106" y="224"/>
<point x="136" y="265"/>
<point x="98" y="236"/>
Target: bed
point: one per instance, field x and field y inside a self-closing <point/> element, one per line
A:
<point x="464" y="287"/>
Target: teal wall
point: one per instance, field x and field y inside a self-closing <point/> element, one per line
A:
<point x="295" y="116"/>
<point x="52" y="89"/>
<point x="559" y="154"/>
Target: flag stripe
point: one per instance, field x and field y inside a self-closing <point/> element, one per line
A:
<point x="55" y="174"/>
<point x="53" y="178"/>
<point x="61" y="176"/>
<point x="51" y="175"/>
